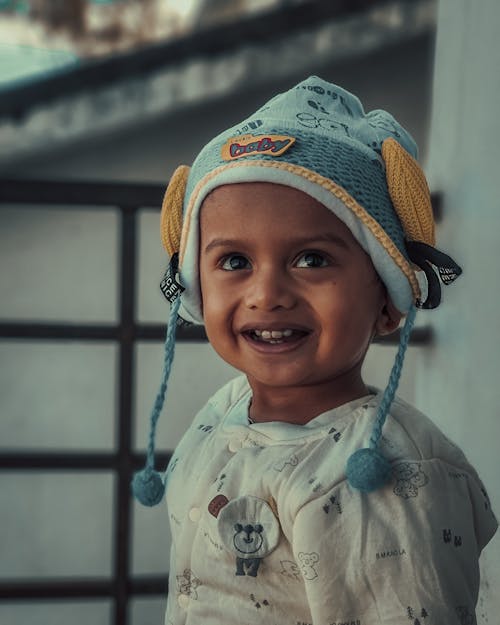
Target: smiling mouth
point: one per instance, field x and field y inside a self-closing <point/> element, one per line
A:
<point x="275" y="337"/>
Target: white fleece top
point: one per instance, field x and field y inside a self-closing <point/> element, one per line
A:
<point x="267" y="531"/>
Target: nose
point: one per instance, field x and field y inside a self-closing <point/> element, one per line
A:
<point x="270" y="288"/>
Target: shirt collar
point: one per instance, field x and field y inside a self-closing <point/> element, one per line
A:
<point x="236" y="420"/>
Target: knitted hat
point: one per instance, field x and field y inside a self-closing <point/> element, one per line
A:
<point x="316" y="138"/>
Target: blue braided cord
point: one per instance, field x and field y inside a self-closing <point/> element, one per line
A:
<point x="392" y="385"/>
<point x="167" y="366"/>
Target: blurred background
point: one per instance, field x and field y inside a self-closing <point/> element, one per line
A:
<point x="99" y="102"/>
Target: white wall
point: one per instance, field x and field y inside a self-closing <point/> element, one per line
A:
<point x="458" y="381"/>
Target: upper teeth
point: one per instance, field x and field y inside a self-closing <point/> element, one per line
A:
<point x="273" y="334"/>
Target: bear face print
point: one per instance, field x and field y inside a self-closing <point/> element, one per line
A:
<point x="249" y="529"/>
<point x="248" y="538"/>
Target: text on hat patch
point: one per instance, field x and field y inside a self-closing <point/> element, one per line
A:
<point x="247" y="145"/>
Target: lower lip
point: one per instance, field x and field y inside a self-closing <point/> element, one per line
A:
<point x="275" y="348"/>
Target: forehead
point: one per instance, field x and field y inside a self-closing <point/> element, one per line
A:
<point x="247" y="207"/>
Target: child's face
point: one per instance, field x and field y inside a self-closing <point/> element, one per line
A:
<point x="289" y="296"/>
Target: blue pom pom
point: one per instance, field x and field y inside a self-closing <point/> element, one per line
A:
<point x="148" y="487"/>
<point x="367" y="470"/>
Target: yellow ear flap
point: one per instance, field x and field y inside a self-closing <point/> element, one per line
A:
<point x="409" y="192"/>
<point x="171" y="210"/>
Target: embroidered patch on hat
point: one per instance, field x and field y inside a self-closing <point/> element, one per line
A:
<point x="248" y="145"/>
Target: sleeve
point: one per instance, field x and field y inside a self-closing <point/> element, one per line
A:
<point x="407" y="553"/>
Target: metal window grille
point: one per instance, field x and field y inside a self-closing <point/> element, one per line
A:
<point x="128" y="199"/>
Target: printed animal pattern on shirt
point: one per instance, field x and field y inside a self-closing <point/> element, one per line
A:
<point x="450" y="538"/>
<point x="409" y="478"/>
<point x="250" y="530"/>
<point x="220" y="481"/>
<point x="307" y="562"/>
<point x="417" y="617"/>
<point x="336" y="435"/>
<point x="248" y="541"/>
<point x="259" y="603"/>
<point x="292" y="461"/>
<point x="205" y="428"/>
<point x="313" y="482"/>
<point x="290" y="570"/>
<point x="188" y="583"/>
<point x="332" y="504"/>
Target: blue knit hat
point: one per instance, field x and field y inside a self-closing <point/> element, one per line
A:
<point x="316" y="138"/>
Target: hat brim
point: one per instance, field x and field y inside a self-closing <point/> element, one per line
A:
<point x="393" y="268"/>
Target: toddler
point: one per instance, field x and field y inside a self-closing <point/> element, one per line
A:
<point x="300" y="495"/>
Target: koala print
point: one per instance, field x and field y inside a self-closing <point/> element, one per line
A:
<point x="248" y="528"/>
<point x="307" y="562"/>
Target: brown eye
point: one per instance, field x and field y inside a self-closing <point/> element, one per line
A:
<point x="311" y="260"/>
<point x="235" y="262"/>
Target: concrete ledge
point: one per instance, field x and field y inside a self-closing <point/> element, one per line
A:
<point x="67" y="117"/>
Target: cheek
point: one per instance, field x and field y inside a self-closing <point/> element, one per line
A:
<point x="210" y="297"/>
<point x="214" y="301"/>
<point x="211" y="314"/>
<point x="347" y="319"/>
<point x="217" y="317"/>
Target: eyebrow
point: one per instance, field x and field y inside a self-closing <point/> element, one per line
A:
<point x="328" y="237"/>
<point x="222" y="243"/>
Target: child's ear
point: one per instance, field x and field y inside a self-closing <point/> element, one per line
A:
<point x="388" y="319"/>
